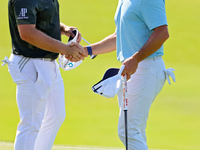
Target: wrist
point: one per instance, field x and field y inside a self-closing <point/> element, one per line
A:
<point x="89" y="49"/>
<point x="136" y="57"/>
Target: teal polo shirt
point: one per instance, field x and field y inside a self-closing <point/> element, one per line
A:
<point x="135" y="21"/>
<point x="44" y="14"/>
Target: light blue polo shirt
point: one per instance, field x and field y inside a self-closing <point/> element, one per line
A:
<point x="135" y="21"/>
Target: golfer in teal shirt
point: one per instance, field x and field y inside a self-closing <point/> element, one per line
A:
<point x="141" y="30"/>
<point x="135" y="22"/>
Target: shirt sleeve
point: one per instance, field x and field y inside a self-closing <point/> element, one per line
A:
<point x="25" y="11"/>
<point x="153" y="13"/>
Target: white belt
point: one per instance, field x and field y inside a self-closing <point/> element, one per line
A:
<point x="155" y="58"/>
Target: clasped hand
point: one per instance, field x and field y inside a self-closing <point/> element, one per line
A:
<point x="77" y="52"/>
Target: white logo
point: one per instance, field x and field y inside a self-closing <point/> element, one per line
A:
<point x="22" y="14"/>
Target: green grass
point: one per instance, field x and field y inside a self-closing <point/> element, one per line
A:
<point x="92" y="120"/>
<point x="9" y="146"/>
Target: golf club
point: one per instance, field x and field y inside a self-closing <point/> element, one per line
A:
<point x="125" y="109"/>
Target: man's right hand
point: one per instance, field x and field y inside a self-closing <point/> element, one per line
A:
<point x="74" y="53"/>
<point x="45" y="42"/>
<point x="82" y="52"/>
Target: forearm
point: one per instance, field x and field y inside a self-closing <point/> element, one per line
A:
<point x="107" y="45"/>
<point x="155" y="41"/>
<point x="62" y="25"/>
<point x="63" y="29"/>
<point x="43" y="41"/>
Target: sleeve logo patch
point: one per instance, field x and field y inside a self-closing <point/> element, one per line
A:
<point x="22" y="14"/>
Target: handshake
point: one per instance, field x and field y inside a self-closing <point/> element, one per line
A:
<point x="77" y="52"/>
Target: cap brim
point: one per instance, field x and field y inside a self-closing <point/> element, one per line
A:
<point x="110" y="73"/>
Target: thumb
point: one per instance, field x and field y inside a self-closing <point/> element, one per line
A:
<point x="71" y="33"/>
<point x="73" y="44"/>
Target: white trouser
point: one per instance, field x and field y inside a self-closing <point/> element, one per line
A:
<point x="40" y="100"/>
<point x="142" y="89"/>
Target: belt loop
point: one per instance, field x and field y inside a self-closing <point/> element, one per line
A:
<point x="154" y="58"/>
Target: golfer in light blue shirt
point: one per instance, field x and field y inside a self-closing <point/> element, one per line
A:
<point x="141" y="30"/>
<point x="135" y="21"/>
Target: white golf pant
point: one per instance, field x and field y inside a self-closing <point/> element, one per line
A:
<point x="40" y="100"/>
<point x="142" y="89"/>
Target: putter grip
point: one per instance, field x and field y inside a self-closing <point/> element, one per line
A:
<point x="125" y="99"/>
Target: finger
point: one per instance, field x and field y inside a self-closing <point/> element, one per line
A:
<point x="71" y="33"/>
<point x="128" y="76"/>
<point x="67" y="56"/>
<point x="79" y="57"/>
<point x="72" y="44"/>
<point x="76" y="44"/>
<point x="123" y="73"/>
<point x="73" y="28"/>
<point x="83" y="57"/>
<point x="70" y="57"/>
<point x="80" y="47"/>
<point x="79" y="37"/>
<point x="73" y="60"/>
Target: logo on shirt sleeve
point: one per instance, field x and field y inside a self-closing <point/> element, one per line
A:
<point x="22" y="14"/>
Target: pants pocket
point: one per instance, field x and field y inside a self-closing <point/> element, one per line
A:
<point x="15" y="73"/>
<point x="160" y="81"/>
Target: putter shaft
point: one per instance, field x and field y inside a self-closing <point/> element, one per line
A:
<point x="92" y="56"/>
<point x="85" y="41"/>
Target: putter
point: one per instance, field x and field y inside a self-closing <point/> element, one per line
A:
<point x="92" y="56"/>
<point x="125" y="109"/>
